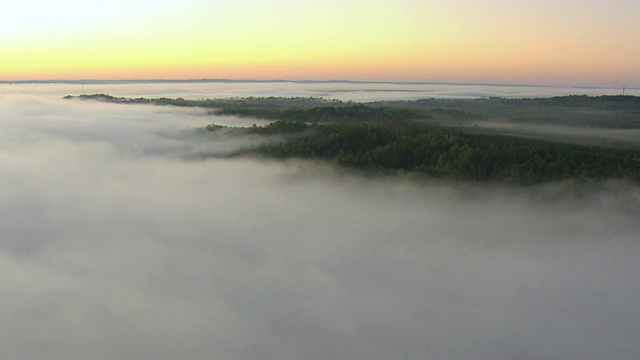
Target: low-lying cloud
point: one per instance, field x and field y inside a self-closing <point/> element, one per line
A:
<point x="115" y="245"/>
<point x="626" y="138"/>
<point x="362" y="92"/>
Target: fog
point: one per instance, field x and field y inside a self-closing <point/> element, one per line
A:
<point x="617" y="138"/>
<point x="362" y="92"/>
<point x="117" y="243"/>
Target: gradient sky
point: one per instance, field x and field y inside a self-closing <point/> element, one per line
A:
<point x="540" y="42"/>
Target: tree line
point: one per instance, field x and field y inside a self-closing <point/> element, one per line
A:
<point x="450" y="154"/>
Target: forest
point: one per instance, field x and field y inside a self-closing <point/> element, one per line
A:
<point x="449" y="154"/>
<point x="433" y="138"/>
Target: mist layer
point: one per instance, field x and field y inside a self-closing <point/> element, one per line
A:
<point x="117" y="244"/>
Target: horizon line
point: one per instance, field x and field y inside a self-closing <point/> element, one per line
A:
<point x="304" y="81"/>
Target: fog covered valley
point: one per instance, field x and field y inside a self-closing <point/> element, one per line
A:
<point x="120" y="240"/>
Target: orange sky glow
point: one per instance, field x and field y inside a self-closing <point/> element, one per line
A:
<point x="565" y="42"/>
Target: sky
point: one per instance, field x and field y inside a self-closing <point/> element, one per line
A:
<point x="495" y="41"/>
<point x="125" y="235"/>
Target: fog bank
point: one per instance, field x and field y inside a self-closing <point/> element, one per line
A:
<point x="362" y="92"/>
<point x="117" y="244"/>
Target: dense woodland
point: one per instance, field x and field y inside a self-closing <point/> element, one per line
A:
<point x="445" y="153"/>
<point x="407" y="136"/>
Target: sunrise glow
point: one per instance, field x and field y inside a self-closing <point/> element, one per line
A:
<point x="563" y="42"/>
